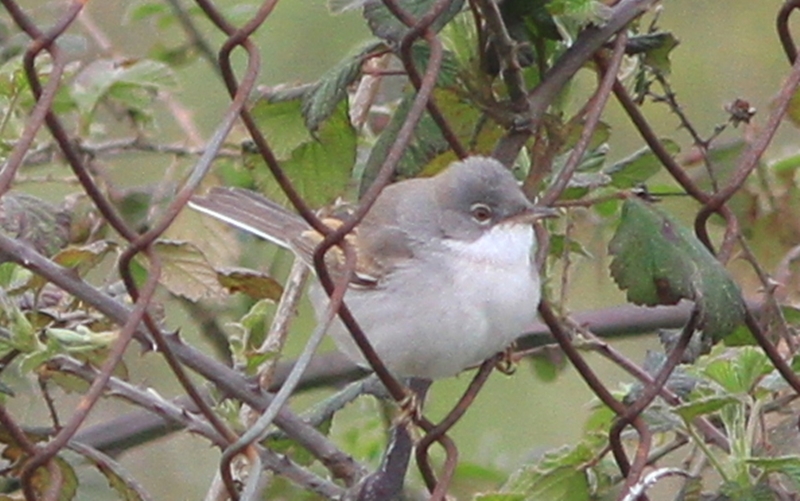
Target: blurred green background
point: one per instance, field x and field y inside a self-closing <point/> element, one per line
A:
<point x="728" y="50"/>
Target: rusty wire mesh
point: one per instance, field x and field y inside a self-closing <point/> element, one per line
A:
<point x="136" y="321"/>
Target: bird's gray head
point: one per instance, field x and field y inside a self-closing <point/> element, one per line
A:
<point x="477" y="194"/>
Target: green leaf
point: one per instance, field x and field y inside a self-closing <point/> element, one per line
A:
<point x="23" y="335"/>
<point x="740" y="336"/>
<point x="557" y="243"/>
<point x="638" y="167"/>
<point x="581" y="12"/>
<point x="84" y="258"/>
<point x="739" y="370"/>
<point x="473" y="472"/>
<point x="282" y="124"/>
<point x="386" y="26"/>
<point x="139" y="11"/>
<point x="32" y="220"/>
<point x="68" y="482"/>
<point x="13" y="276"/>
<point x="131" y="83"/>
<point x="703" y="406"/>
<point x="740" y="492"/>
<point x="428" y="151"/>
<point x="321" y="100"/>
<point x="253" y="283"/>
<point x="81" y="338"/>
<point x="124" y="485"/>
<point x="787" y="465"/>
<point x="600" y="136"/>
<point x="559" y="475"/>
<point x="793" y="111"/>
<point x="319" y="168"/>
<point x="185" y="270"/>
<point x="249" y="333"/>
<point x="545" y="368"/>
<point x="786" y="165"/>
<point x="657" y="55"/>
<point x="448" y="70"/>
<point x="582" y="183"/>
<point x="529" y="20"/>
<point x="499" y="496"/>
<point x="658" y="261"/>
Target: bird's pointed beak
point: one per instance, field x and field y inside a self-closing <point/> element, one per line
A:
<point x="533" y="214"/>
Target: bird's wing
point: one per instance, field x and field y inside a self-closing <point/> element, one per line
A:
<point x="252" y="213"/>
<point x="378" y="253"/>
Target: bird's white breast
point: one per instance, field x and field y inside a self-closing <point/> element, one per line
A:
<point x="467" y="302"/>
<point x="495" y="273"/>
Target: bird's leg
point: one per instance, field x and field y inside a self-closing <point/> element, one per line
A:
<point x="507" y="363"/>
<point x="411" y="405"/>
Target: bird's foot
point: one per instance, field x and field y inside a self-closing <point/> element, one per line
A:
<point x="507" y="362"/>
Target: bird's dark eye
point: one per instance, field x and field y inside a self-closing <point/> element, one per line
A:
<point x="481" y="213"/>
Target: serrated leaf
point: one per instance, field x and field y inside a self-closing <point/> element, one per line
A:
<point x="658" y="261"/>
<point x="448" y="70"/>
<point x="560" y="474"/>
<point x="703" y="406"/>
<point x="581" y="12"/>
<point x="33" y="221"/>
<point x="738" y="374"/>
<point x="185" y="270"/>
<point x="428" y="152"/>
<point x="85" y="257"/>
<point x="320" y="169"/>
<point x="638" y="167"/>
<point x="787" y="465"/>
<point x="125" y="490"/>
<point x="386" y="26"/>
<point x="321" y="100"/>
<point x="600" y="136"/>
<point x="282" y="123"/>
<point x="740" y="336"/>
<point x="743" y="492"/>
<point x="255" y="284"/>
<point x="657" y="56"/>
<point x="123" y="484"/>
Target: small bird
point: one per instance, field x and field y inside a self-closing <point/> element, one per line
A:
<point x="445" y="276"/>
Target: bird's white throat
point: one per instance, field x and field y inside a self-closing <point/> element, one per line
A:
<point x="504" y="245"/>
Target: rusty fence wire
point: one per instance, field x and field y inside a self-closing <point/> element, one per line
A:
<point x="60" y="298"/>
